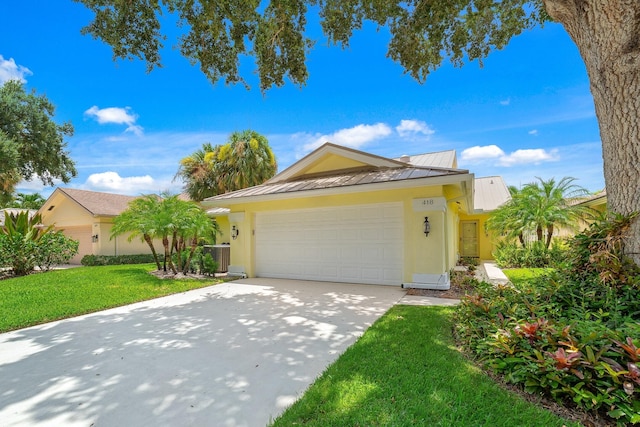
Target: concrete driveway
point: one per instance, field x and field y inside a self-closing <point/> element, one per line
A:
<point x="235" y="354"/>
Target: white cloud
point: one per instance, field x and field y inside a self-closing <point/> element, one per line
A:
<point x="479" y="154"/>
<point x="533" y="132"/>
<point x="116" y="115"/>
<point x="537" y="155"/>
<point x="412" y="127"/>
<point x="505" y="102"/>
<point x="355" y="137"/>
<point x="9" y="70"/>
<point x="113" y="182"/>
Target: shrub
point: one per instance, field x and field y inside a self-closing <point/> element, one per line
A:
<point x="93" y="260"/>
<point x="534" y="255"/>
<point x="25" y="244"/>
<point x="572" y="335"/>
<point x="209" y="266"/>
<point x="55" y="248"/>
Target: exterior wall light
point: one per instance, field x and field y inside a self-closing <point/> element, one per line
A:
<point x="234" y="232"/>
<point x="94" y="238"/>
<point x="427" y="226"/>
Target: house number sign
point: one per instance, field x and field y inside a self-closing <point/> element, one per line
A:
<point x="430" y="204"/>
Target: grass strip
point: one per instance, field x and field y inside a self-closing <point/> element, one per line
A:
<point x="44" y="297"/>
<point x="523" y="275"/>
<point x="406" y="371"/>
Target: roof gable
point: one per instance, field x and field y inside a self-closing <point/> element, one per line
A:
<point x="333" y="158"/>
<point x="95" y="203"/>
<point x="333" y="169"/>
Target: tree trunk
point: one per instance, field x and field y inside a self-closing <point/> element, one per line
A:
<point x="539" y="233"/>
<point x="192" y="250"/>
<point x="172" y="266"/>
<point x="549" y="235"/>
<point x="147" y="239"/>
<point x="167" y="254"/>
<point x="608" y="38"/>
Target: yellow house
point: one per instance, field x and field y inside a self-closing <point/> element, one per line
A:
<point x="87" y="216"/>
<point x="475" y="239"/>
<point x="345" y="215"/>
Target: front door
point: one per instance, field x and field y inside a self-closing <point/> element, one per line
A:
<point x="469" y="237"/>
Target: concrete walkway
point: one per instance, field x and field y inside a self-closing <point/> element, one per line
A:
<point x="235" y="354"/>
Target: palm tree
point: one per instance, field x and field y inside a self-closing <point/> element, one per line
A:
<point x="538" y="207"/>
<point x="196" y="171"/>
<point x="28" y="201"/>
<point x="178" y="222"/>
<point x="509" y="220"/>
<point x="139" y="220"/>
<point x="554" y="204"/>
<point x="244" y="161"/>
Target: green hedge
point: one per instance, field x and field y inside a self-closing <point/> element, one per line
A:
<point x="93" y="260"/>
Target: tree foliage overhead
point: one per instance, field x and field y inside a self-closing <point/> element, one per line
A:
<point x="244" y="161"/>
<point x="219" y="33"/>
<point x="31" y="143"/>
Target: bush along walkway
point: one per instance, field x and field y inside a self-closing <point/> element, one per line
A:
<point x="406" y="371"/>
<point x="573" y="334"/>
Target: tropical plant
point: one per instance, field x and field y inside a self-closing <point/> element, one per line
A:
<point x="244" y="161"/>
<point x="28" y="201"/>
<point x="539" y="208"/>
<point x="197" y="172"/>
<point x="555" y="204"/>
<point x="508" y="220"/>
<point x="178" y="223"/>
<point x="54" y="248"/>
<point x="138" y="220"/>
<point x="572" y="333"/>
<point x="25" y="243"/>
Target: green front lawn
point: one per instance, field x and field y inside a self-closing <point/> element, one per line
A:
<point x="522" y="275"/>
<point x="406" y="370"/>
<point x="43" y="297"/>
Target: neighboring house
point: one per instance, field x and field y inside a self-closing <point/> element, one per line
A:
<point x="597" y="202"/>
<point x="345" y="215"/>
<point x="87" y="216"/>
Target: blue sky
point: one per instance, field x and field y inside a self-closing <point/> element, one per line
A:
<point x="526" y="113"/>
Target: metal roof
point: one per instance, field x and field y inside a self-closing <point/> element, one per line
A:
<point x="440" y="159"/>
<point x="340" y="179"/>
<point x="490" y="193"/>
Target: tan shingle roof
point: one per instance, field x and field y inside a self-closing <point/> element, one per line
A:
<point x="104" y="204"/>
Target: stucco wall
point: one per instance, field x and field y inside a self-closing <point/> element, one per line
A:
<point x="433" y="254"/>
<point x="486" y="242"/>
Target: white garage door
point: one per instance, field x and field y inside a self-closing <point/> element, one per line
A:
<point x="355" y="244"/>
